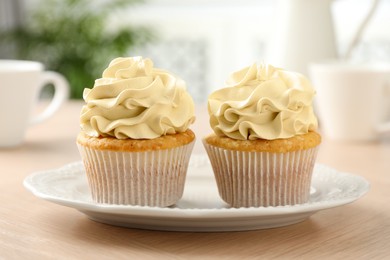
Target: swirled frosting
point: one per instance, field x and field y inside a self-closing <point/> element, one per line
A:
<point x="135" y="100"/>
<point x="263" y="102"/>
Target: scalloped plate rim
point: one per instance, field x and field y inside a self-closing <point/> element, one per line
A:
<point x="207" y="213"/>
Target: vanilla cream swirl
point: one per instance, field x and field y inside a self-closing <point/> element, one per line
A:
<point x="135" y="100"/>
<point x="263" y="102"/>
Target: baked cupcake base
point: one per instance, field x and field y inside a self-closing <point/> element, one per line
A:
<point x="136" y="172"/>
<point x="263" y="173"/>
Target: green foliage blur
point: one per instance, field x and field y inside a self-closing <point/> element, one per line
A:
<point x="71" y="37"/>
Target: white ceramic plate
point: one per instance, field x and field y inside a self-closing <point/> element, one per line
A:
<point x="200" y="209"/>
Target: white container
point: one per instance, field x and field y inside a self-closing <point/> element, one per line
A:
<point x="20" y="85"/>
<point x="353" y="100"/>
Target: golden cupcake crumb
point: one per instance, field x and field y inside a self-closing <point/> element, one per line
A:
<point x="298" y="142"/>
<point x="136" y="145"/>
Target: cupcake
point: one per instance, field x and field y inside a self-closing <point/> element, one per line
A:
<point x="264" y="144"/>
<point x="135" y="140"/>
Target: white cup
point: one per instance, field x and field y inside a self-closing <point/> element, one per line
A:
<point x="20" y="85"/>
<point x="353" y="100"/>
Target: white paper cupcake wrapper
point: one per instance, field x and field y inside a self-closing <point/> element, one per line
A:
<point x="151" y="178"/>
<point x="256" y="179"/>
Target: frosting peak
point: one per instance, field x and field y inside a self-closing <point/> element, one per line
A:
<point x="261" y="101"/>
<point x="135" y="100"/>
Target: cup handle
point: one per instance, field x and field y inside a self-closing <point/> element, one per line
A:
<point x="61" y="93"/>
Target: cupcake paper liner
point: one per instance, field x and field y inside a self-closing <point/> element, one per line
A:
<point x="150" y="178"/>
<point x="262" y="179"/>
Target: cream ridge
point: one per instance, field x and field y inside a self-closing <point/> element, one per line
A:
<point x="263" y="102"/>
<point x="135" y="100"/>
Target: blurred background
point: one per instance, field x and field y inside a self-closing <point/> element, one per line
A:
<point x="202" y="41"/>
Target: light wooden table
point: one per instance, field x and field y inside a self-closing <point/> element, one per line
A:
<point x="31" y="228"/>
